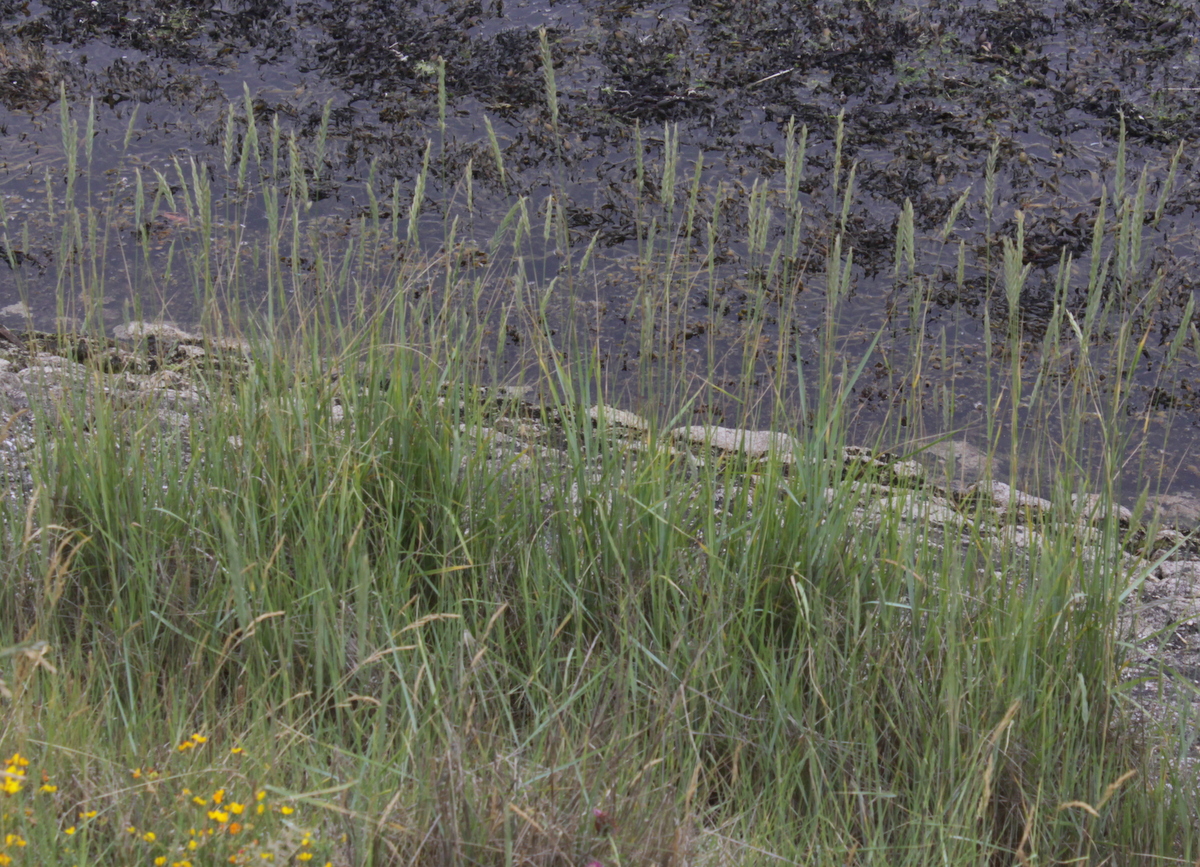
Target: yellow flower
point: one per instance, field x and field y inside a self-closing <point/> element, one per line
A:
<point x="287" y="811"/>
<point x="199" y="738"/>
<point x="192" y="845"/>
<point x="160" y="860"/>
<point x="46" y="787"/>
<point x="304" y="856"/>
<point x="260" y="809"/>
<point x="90" y="814"/>
<point x="18" y="759"/>
<point x="199" y="802"/>
<point x="131" y="830"/>
<point x="186" y="745"/>
<point x="266" y="856"/>
<point x="136" y="773"/>
<point x="13" y="775"/>
<point x="5" y="860"/>
<point x="218" y="796"/>
<point x="237" y="751"/>
<point x="69" y="831"/>
<point x="13" y="840"/>
<point x="218" y="815"/>
<point x="236" y="808"/>
<point x="149" y="836"/>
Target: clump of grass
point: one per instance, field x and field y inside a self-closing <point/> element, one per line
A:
<point x="447" y="648"/>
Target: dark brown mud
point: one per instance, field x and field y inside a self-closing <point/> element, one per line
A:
<point x="927" y="93"/>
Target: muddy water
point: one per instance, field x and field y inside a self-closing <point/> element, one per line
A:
<point x="927" y="92"/>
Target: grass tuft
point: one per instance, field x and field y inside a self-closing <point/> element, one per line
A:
<point x="398" y="615"/>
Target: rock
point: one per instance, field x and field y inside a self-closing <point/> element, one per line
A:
<point x="614" y="417"/>
<point x="913" y="507"/>
<point x="509" y="392"/>
<point x="1003" y="498"/>
<point x="1091" y="509"/>
<point x="45" y="368"/>
<point x="755" y="444"/>
<point x="883" y="467"/>
<point x="229" y="345"/>
<point x="1020" y="537"/>
<point x="1182" y="573"/>
<point x="1165" y="540"/>
<point x="959" y="461"/>
<point x="138" y="330"/>
<point x="530" y="430"/>
<point x="13" y="396"/>
<point x="1177" y="592"/>
<point x="907" y="473"/>
<point x="1182" y="510"/>
<point x="191" y="351"/>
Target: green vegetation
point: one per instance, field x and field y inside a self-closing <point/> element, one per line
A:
<point x="327" y="594"/>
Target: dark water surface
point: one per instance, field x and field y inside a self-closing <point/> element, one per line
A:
<point x="927" y="92"/>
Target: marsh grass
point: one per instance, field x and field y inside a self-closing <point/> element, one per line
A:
<point x="334" y="588"/>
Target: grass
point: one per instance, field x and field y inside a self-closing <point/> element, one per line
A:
<point x="329" y="597"/>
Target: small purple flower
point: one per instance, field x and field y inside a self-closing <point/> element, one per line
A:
<point x="603" y="824"/>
